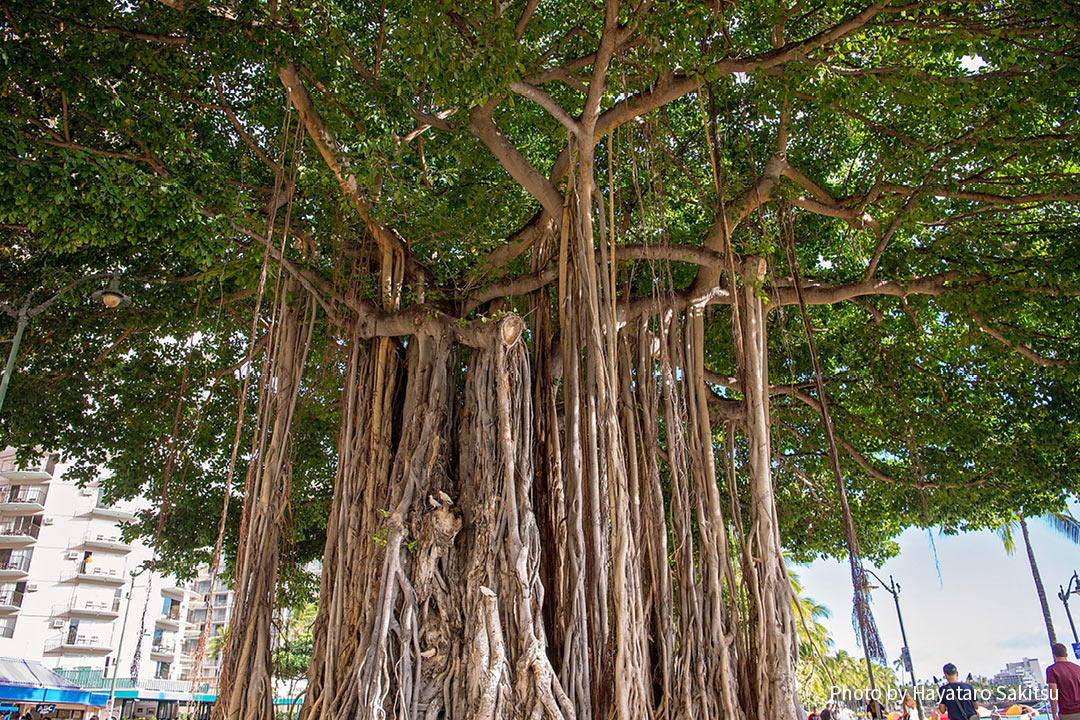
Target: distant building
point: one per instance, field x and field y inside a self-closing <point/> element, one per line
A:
<point x="1026" y="673"/>
<point x="213" y="605"/>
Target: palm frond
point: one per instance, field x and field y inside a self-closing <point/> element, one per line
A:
<point x="1005" y="532"/>
<point x="1064" y="524"/>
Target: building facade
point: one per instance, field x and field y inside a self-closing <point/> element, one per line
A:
<point x="1026" y="674"/>
<point x="73" y="592"/>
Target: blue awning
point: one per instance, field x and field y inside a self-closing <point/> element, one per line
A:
<point x="29" y="681"/>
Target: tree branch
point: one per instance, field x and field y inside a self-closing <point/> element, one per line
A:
<point x="1024" y="350"/>
<point x="484" y="127"/>
<point x="386" y="238"/>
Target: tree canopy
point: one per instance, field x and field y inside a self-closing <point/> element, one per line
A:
<point x="906" y="171"/>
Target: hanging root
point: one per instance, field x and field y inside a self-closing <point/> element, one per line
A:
<point x="246" y="689"/>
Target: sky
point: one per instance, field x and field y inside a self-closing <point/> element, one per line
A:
<point x="981" y="613"/>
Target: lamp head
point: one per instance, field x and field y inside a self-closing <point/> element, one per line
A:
<point x="111" y="297"/>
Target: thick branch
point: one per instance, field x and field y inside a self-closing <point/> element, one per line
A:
<point x="483" y="126"/>
<point x="387" y="239"/>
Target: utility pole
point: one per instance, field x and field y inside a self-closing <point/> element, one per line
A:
<point x="893" y="589"/>
<point x="120" y="646"/>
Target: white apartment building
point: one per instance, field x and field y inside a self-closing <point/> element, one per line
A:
<point x="67" y="583"/>
<point x="212" y="603"/>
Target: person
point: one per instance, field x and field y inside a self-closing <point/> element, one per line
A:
<point x="826" y="713"/>
<point x="813" y="715"/>
<point x="1063" y="681"/>
<point x="874" y="710"/>
<point x="957" y="698"/>
<point x="907" y="709"/>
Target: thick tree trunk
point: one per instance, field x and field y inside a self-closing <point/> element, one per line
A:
<point x="1038" y="582"/>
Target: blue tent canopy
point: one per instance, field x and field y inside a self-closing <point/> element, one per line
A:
<point x="29" y="681"/>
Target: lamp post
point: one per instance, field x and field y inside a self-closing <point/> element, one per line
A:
<point x="120" y="643"/>
<point x="1063" y="595"/>
<point x="894" y="589"/>
<point x="110" y="297"/>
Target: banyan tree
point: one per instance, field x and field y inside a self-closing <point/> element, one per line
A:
<point x="547" y="327"/>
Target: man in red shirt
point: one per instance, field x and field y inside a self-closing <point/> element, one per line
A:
<point x="1063" y="677"/>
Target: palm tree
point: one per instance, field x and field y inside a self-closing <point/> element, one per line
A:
<point x="1065" y="524"/>
<point x="216" y="646"/>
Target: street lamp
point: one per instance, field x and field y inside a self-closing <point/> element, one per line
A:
<point x="1063" y="595"/>
<point x="110" y="297"/>
<point x="894" y="589"/>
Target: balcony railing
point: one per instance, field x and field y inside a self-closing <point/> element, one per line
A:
<point x="96" y="573"/>
<point x="23" y="494"/>
<point x="85" y="643"/>
<point x="108" y="541"/>
<point x="163" y="648"/>
<point x="97" y="680"/>
<point x="89" y="607"/>
<point x="11" y="598"/>
<point x="20" y="528"/>
<point x="42" y="471"/>
<point x="16" y="562"/>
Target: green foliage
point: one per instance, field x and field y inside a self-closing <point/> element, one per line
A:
<point x="138" y="139"/>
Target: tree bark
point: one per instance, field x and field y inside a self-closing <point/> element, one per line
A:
<point x="774" y="646"/>
<point x="246" y="686"/>
<point x="1038" y="582"/>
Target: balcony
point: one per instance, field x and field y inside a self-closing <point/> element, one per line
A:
<point x="100" y="575"/>
<point x="96" y="609"/>
<point x="163" y="651"/>
<point x="66" y="643"/>
<point x="18" y="533"/>
<point x="110" y="513"/>
<point x="43" y="473"/>
<point x="174" y="592"/>
<point x="23" y="499"/>
<point x="14" y="568"/>
<point x="10" y="601"/>
<point x="105" y="541"/>
<point x="170" y="619"/>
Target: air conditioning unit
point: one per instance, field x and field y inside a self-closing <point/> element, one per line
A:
<point x="87" y="491"/>
<point x="31" y="587"/>
<point x="58" y="623"/>
<point x="73" y="555"/>
<point x="48" y="520"/>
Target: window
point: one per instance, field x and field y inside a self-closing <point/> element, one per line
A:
<point x="23" y="494"/>
<point x="221" y="599"/>
<point x="12" y="594"/>
<point x="7" y="627"/>
<point x="162" y="672"/>
<point x="26" y="525"/>
<point x="203" y="586"/>
<point x="15" y="559"/>
<point x="219" y="615"/>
